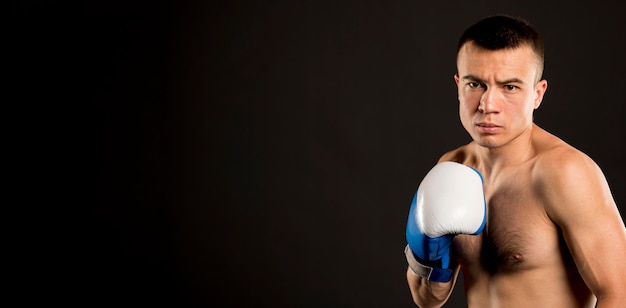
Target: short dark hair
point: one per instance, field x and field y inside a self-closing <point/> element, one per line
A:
<point x="503" y="32"/>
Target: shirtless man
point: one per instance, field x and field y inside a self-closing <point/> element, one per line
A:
<point x="553" y="236"/>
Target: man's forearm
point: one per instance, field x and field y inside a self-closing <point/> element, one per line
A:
<point x="427" y="293"/>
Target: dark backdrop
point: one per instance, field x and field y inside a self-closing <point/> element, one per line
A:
<point x="265" y="153"/>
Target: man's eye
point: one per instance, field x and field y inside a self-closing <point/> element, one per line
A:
<point x="473" y="85"/>
<point x="510" y="88"/>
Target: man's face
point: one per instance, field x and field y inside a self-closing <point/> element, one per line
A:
<point x="498" y="92"/>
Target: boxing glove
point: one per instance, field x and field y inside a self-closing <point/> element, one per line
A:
<point x="449" y="201"/>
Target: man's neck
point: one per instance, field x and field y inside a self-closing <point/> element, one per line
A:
<point x="517" y="151"/>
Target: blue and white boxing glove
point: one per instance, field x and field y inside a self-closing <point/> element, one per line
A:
<point x="449" y="201"/>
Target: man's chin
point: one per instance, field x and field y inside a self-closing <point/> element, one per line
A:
<point x="487" y="141"/>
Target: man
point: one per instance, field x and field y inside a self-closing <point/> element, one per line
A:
<point x="551" y="235"/>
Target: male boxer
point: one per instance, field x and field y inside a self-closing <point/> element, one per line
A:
<point x="553" y="236"/>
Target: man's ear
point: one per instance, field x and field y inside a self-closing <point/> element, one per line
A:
<point x="540" y="90"/>
<point x="456" y="78"/>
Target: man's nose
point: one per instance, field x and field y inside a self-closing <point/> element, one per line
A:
<point x="488" y="101"/>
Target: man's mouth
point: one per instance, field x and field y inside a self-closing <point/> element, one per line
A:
<point x="488" y="127"/>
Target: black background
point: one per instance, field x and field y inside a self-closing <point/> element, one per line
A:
<point x="264" y="153"/>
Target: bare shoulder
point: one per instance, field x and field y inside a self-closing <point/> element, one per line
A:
<point x="563" y="161"/>
<point x="461" y="154"/>
<point x="569" y="181"/>
<point x="564" y="164"/>
<point x="558" y="161"/>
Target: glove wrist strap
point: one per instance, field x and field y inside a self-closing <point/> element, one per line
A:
<point x="428" y="272"/>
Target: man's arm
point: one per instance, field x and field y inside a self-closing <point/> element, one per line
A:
<point x="449" y="201"/>
<point x="429" y="293"/>
<point x="579" y="201"/>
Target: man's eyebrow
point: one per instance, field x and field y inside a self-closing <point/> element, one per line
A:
<point x="507" y="81"/>
<point x="472" y="77"/>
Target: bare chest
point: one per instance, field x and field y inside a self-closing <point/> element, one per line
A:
<point x="518" y="234"/>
